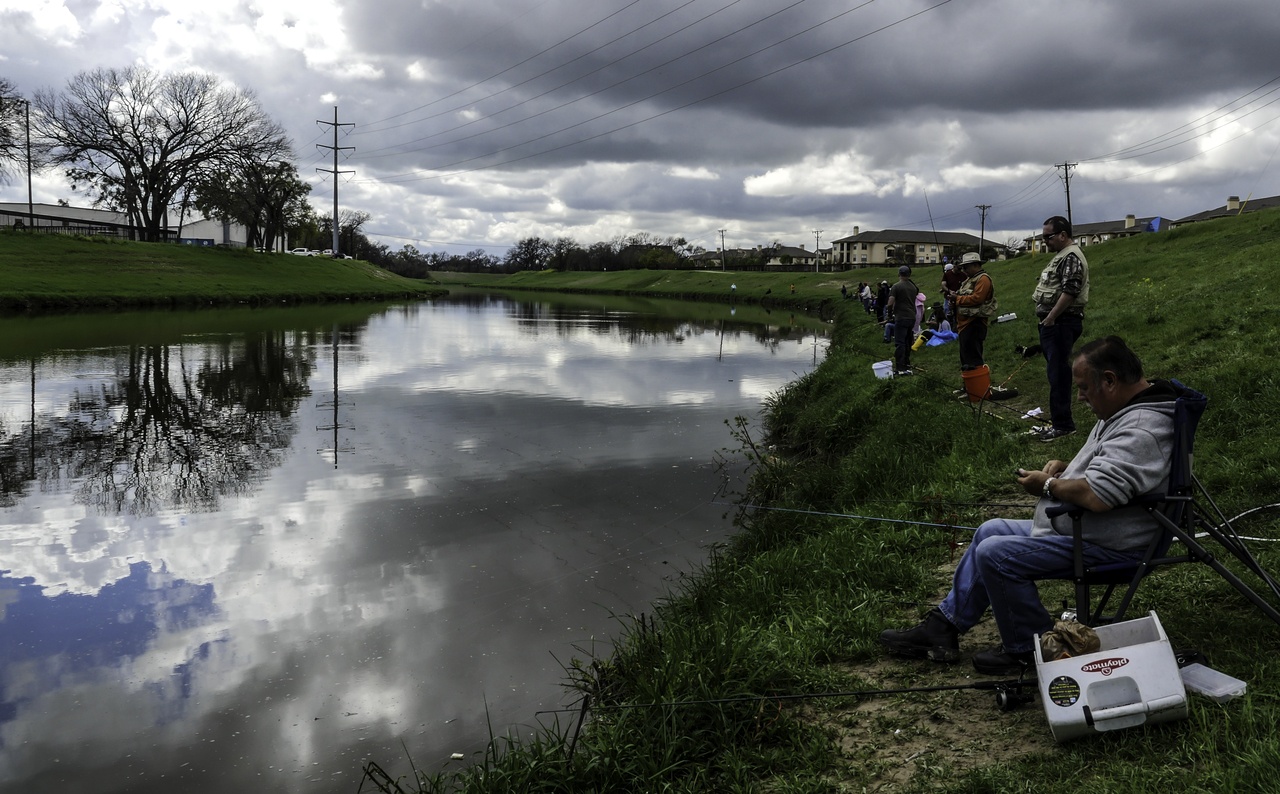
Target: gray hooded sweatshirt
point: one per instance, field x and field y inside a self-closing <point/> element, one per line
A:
<point x="1125" y="457"/>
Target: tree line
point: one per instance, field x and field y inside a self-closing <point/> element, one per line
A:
<point x="152" y="145"/>
<point x="623" y="252"/>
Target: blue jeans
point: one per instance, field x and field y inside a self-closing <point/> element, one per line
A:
<point x="1000" y="569"/>
<point x="1056" y="342"/>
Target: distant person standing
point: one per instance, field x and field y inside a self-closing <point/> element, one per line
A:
<point x="1060" y="297"/>
<point x="882" y="302"/>
<point x="975" y="303"/>
<point x="952" y="278"/>
<point x="902" y="310"/>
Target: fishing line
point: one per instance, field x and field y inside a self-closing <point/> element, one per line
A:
<point x="1000" y="686"/>
<point x="846" y="515"/>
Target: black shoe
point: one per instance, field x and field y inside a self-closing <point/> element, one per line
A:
<point x="1055" y="433"/>
<point x="934" y="638"/>
<point x="998" y="661"/>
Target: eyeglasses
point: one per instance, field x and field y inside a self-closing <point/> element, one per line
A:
<point x="1049" y="236"/>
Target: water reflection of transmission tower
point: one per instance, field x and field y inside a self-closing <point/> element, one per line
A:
<point x="334" y="424"/>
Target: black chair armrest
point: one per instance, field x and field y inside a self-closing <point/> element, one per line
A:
<point x="1064" y="509"/>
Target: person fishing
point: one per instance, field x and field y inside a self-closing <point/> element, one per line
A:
<point x="975" y="303"/>
<point x="1126" y="455"/>
<point x="902" y="309"/>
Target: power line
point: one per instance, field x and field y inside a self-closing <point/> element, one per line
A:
<point x="609" y="87"/>
<point x="412" y="176"/>
<point x="509" y="68"/>
<point x="1221" y="111"/>
<point x="586" y="54"/>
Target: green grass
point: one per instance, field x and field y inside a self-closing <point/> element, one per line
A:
<point x="794" y="603"/>
<point x="64" y="272"/>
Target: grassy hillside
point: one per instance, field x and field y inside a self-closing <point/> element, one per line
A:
<point x="794" y="605"/>
<point x="62" y="272"/>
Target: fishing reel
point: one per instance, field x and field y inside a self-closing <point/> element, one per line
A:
<point x="1012" y="698"/>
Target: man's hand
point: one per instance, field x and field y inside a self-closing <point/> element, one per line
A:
<point x="1076" y="491"/>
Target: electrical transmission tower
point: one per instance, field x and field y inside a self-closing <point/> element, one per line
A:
<point x="336" y="148"/>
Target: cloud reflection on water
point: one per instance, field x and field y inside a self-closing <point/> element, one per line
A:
<point x="505" y="484"/>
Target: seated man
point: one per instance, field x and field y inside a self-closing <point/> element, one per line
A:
<point x="1125" y="456"/>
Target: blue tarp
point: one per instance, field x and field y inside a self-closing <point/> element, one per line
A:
<point x="941" y="338"/>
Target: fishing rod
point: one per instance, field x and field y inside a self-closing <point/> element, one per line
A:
<point x="847" y="515"/>
<point x="1008" y="696"/>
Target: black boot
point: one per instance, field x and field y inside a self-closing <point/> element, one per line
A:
<point x="998" y="661"/>
<point x="935" y="638"/>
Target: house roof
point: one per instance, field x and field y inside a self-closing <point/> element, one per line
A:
<point x="1248" y="205"/>
<point x="789" y="250"/>
<point x="912" y="236"/>
<point x="1118" y="227"/>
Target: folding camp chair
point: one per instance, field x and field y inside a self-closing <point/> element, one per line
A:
<point x="1185" y="513"/>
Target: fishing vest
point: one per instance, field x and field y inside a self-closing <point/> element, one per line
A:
<point x="987" y="308"/>
<point x="1049" y="287"/>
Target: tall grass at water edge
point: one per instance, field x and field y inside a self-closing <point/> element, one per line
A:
<point x="796" y="593"/>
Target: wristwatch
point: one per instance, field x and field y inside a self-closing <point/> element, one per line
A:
<point x="1047" y="493"/>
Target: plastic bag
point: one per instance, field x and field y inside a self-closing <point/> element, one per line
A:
<point x="1068" y="638"/>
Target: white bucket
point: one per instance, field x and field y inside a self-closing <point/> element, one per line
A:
<point x="883" y="369"/>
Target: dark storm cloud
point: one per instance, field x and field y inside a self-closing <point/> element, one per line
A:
<point x="768" y="116"/>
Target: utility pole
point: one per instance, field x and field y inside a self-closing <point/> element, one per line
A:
<point x="817" y="241"/>
<point x="336" y="148"/>
<point x="983" y="233"/>
<point x="1066" y="178"/>
<point x="31" y="215"/>
<point x="722" y="231"/>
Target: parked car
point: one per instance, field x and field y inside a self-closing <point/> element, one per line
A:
<point x="301" y="251"/>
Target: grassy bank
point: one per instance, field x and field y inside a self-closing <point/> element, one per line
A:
<point x="56" y="272"/>
<point x="795" y="603"/>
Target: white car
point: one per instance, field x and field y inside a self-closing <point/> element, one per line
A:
<point x="301" y="251"/>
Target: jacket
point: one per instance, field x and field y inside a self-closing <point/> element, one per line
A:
<point x="1124" y="457"/>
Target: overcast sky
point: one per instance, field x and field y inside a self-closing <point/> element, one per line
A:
<point x="479" y="122"/>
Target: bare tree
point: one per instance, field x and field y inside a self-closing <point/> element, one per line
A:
<point x="140" y="141"/>
<point x="12" y="137"/>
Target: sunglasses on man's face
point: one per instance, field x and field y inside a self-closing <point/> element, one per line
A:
<point x="1050" y="236"/>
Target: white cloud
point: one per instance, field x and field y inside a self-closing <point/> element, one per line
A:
<point x="684" y="172"/>
<point x="632" y="126"/>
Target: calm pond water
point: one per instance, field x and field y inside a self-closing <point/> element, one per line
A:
<point x="254" y="549"/>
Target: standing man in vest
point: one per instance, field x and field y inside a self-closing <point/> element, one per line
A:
<point x="975" y="302"/>
<point x="1060" y="297"/>
<point x="902" y="310"/>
